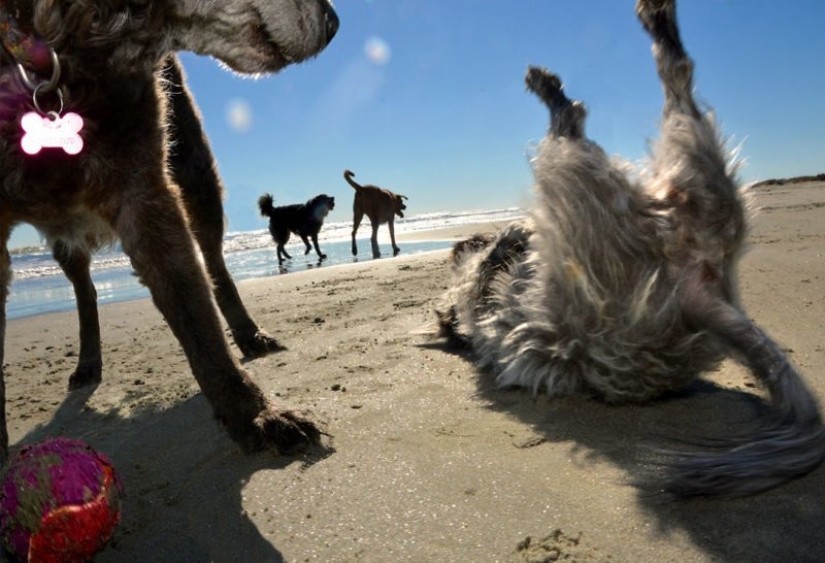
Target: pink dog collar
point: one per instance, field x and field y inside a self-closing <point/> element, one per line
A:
<point x="23" y="45"/>
<point x="41" y="129"/>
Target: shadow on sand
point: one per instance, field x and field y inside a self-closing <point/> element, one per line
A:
<point x="183" y="478"/>
<point x="783" y="524"/>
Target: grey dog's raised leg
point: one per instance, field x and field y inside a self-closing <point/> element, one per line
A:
<point x="675" y="67"/>
<point x="566" y="116"/>
<point x="791" y="442"/>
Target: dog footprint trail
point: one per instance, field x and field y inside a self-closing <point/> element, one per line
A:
<point x="559" y="546"/>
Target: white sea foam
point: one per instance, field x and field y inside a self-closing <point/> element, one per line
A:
<point x="39" y="286"/>
<point x="340" y="231"/>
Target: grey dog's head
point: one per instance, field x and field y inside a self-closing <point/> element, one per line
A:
<point x="249" y="36"/>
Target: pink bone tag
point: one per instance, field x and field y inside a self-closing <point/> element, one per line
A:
<point x="52" y="131"/>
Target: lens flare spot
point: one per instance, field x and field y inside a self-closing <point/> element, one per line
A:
<point x="239" y="115"/>
<point x="377" y="51"/>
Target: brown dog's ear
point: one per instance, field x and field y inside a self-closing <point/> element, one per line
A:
<point x="402" y="196"/>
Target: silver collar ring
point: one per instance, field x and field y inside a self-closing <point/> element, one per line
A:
<point x="42" y="87"/>
<point x="46" y="86"/>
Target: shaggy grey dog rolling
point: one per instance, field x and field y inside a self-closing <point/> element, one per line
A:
<point x="625" y="288"/>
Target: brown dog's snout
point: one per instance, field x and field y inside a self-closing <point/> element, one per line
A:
<point x="331" y="20"/>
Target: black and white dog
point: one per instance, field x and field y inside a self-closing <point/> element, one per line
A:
<point x="303" y="219"/>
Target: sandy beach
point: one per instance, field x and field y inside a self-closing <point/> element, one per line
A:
<point x="426" y="462"/>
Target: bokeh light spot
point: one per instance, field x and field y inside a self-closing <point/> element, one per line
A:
<point x="377" y="51"/>
<point x="239" y="115"/>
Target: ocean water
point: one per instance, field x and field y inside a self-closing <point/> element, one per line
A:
<point x="39" y="286"/>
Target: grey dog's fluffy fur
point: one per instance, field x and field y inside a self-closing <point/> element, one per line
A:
<point x="624" y="288"/>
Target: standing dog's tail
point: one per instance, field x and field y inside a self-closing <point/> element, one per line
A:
<point x="348" y="175"/>
<point x="265" y="205"/>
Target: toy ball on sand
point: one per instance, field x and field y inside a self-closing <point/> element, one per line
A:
<point x="59" y="502"/>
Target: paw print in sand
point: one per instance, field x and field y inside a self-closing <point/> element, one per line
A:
<point x="51" y="130"/>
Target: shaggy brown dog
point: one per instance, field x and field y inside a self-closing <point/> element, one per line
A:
<point x="193" y="168"/>
<point x="624" y="289"/>
<point x="380" y="206"/>
<point x="303" y="219"/>
<point x="102" y="63"/>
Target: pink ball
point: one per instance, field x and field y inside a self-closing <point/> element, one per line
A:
<point x="59" y="502"/>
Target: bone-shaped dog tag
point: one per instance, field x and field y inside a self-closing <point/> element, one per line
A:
<point x="51" y="130"/>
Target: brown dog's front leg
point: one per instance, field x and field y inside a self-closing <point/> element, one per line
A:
<point x="194" y="170"/>
<point x="76" y="264"/>
<point x="5" y="280"/>
<point x="376" y="252"/>
<point x="356" y="222"/>
<point x="156" y="237"/>
<point x="395" y="249"/>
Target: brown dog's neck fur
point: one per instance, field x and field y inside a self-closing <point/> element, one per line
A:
<point x="21" y="10"/>
<point x="111" y="38"/>
<point x="101" y="61"/>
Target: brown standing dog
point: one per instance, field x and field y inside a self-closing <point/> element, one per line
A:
<point x="381" y="206"/>
<point x="111" y="179"/>
<point x="194" y="170"/>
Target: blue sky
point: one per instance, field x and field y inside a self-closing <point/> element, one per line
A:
<point x="426" y="98"/>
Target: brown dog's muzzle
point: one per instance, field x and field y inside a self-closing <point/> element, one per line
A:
<point x="331" y="19"/>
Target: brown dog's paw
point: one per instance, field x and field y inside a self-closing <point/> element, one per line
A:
<point x="86" y="374"/>
<point x="257" y="345"/>
<point x="283" y="431"/>
<point x="287" y="432"/>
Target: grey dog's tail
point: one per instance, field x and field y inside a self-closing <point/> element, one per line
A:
<point x="789" y="443"/>
<point x="265" y="205"/>
<point x="348" y="175"/>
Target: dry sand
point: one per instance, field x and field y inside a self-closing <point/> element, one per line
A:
<point x="429" y="463"/>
